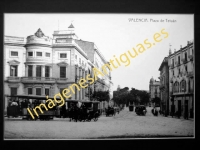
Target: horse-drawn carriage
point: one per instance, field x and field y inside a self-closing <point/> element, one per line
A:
<point x="110" y="111"/>
<point x="18" y="105"/>
<point x="141" y="110"/>
<point x="86" y="112"/>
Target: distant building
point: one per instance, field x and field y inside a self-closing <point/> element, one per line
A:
<point x="154" y="89"/>
<point x="181" y="77"/>
<point x="164" y="86"/>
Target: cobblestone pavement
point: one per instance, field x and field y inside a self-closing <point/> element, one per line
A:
<point x="126" y="124"/>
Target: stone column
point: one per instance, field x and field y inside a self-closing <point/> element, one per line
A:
<point x="34" y="91"/>
<point x="43" y="90"/>
<point x="43" y="71"/>
<point x="50" y="72"/>
<point x="26" y="70"/>
<point x="34" y="70"/>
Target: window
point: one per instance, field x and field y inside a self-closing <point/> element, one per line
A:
<point x="63" y="55"/>
<point x="179" y="60"/>
<point x="176" y="87"/>
<point x="38" y="91"/>
<point x="14" y="53"/>
<point x="186" y="68"/>
<point x="185" y="56"/>
<point x="30" y="53"/>
<point x="13" y="71"/>
<point x="13" y="91"/>
<point x="46" y="91"/>
<point x="30" y="71"/>
<point x="47" y="71"/>
<point x="76" y="71"/>
<point x="62" y="72"/>
<point x="79" y="60"/>
<point x="76" y="57"/>
<point x="30" y="91"/>
<point x="172" y="62"/>
<point x="173" y="72"/>
<point x="39" y="54"/>
<point x="38" y="71"/>
<point x="183" y="86"/>
<point x="47" y="54"/>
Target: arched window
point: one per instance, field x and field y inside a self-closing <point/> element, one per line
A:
<point x="176" y="87"/>
<point x="183" y="86"/>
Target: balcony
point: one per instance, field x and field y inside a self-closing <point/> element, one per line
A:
<point x="171" y="65"/>
<point x="61" y="80"/>
<point x="13" y="79"/>
<point x="171" y="80"/>
<point x="162" y="87"/>
<point x="184" y="60"/>
<point x="190" y="74"/>
<point x="191" y="57"/>
<point x="38" y="80"/>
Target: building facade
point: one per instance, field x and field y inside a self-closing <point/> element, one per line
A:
<point x="40" y="65"/>
<point x="164" y="86"/>
<point x="181" y="80"/>
<point x="154" y="89"/>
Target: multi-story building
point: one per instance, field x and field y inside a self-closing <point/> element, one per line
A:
<point x="164" y="86"/>
<point x="154" y="89"/>
<point x="181" y="80"/>
<point x="41" y="65"/>
<point x="14" y="68"/>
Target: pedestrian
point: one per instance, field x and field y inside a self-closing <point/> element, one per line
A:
<point x="155" y="112"/>
<point x="152" y="111"/>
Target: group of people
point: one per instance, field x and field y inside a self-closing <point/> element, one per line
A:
<point x="154" y="111"/>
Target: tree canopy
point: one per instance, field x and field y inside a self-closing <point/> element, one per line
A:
<point x="98" y="95"/>
<point x="133" y="96"/>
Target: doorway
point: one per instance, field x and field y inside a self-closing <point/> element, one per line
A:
<point x="186" y="109"/>
<point x="179" y="107"/>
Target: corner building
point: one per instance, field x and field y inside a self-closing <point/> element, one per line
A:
<point x="154" y="89"/>
<point x="181" y="81"/>
<point x="164" y="86"/>
<point x="41" y="65"/>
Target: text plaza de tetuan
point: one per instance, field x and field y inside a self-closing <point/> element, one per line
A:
<point x="40" y="65"/>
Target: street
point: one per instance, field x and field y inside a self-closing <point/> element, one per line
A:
<point x="126" y="124"/>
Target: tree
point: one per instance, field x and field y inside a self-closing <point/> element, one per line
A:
<point x="98" y="95"/>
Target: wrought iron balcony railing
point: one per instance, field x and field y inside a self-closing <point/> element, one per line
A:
<point x="190" y="74"/>
<point x="184" y="60"/>
<point x="191" y="57"/>
<point x="13" y="79"/>
<point x="37" y="79"/>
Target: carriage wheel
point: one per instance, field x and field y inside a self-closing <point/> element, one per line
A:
<point x="95" y="119"/>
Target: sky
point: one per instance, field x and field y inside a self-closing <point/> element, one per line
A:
<point x="114" y="34"/>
